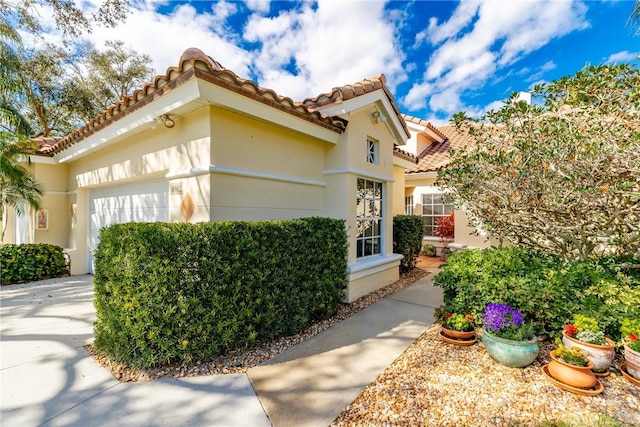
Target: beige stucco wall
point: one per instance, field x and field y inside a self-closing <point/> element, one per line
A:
<point x="261" y="171"/>
<point x="55" y="201"/>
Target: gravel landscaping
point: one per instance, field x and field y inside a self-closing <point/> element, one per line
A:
<point x="438" y="384"/>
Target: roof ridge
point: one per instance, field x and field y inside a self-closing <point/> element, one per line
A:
<point x="353" y="90"/>
<point x="190" y="60"/>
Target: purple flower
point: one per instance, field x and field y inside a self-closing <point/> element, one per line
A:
<point x="498" y="316"/>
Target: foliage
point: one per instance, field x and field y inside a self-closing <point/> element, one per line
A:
<point x="69" y="18"/>
<point x="630" y="330"/>
<point x="559" y="175"/>
<point x="188" y="292"/>
<point x="407" y="239"/>
<point x="506" y="322"/>
<point x="459" y="322"/>
<point x="110" y="75"/>
<point x="31" y="262"/>
<point x="17" y="185"/>
<point x="428" y="250"/>
<point x="573" y="356"/>
<point x="445" y="227"/>
<point x="585" y="329"/>
<point x="543" y="288"/>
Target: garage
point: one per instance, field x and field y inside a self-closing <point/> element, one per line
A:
<point x="142" y="201"/>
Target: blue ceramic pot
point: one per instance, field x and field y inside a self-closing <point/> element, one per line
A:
<point x="515" y="354"/>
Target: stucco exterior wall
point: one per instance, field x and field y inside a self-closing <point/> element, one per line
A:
<point x="261" y="171"/>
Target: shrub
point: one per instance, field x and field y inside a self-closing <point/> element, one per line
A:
<point x="542" y="287"/>
<point x="181" y="292"/>
<point x="31" y="262"/>
<point x="407" y="239"/>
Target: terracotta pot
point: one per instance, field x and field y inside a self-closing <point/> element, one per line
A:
<point x="633" y="362"/>
<point x="515" y="354"/>
<point x="572" y="375"/>
<point x="600" y="355"/>
<point x="459" y="335"/>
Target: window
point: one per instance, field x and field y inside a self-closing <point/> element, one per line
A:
<point x="368" y="218"/>
<point x="433" y="207"/>
<point x="372" y="151"/>
<point x="408" y="205"/>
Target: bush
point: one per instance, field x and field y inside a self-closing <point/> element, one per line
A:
<point x="31" y="262"/>
<point x="407" y="239"/>
<point x="543" y="288"/>
<point x="187" y="292"/>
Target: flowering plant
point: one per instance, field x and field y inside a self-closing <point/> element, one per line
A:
<point x="573" y="356"/>
<point x="506" y="322"/>
<point x="585" y="329"/>
<point x="631" y="333"/>
<point x="455" y="321"/>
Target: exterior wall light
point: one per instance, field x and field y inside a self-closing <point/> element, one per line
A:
<point x="167" y="121"/>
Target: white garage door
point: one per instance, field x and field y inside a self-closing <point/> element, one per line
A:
<point x="145" y="201"/>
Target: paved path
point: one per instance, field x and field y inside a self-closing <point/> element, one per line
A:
<point x="48" y="378"/>
<point x="312" y="383"/>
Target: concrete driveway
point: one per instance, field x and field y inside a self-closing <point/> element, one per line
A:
<point x="48" y="378"/>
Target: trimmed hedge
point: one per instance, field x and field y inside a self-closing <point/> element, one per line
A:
<point x="186" y="292"/>
<point x="30" y="262"/>
<point x="545" y="289"/>
<point x="408" y="231"/>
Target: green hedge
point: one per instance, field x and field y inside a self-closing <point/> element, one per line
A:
<point x="545" y="289"/>
<point x="408" y="231"/>
<point x="181" y="292"/>
<point x="31" y="262"/>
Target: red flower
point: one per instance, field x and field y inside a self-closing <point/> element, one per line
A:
<point x="448" y="315"/>
<point x="570" y="330"/>
<point x="633" y="337"/>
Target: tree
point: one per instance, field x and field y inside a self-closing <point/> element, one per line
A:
<point x="17" y="186"/>
<point x="105" y="77"/>
<point x="562" y="175"/>
<point x="71" y="20"/>
<point x="50" y="101"/>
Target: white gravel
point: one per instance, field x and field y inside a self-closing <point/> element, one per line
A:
<point x="438" y="384"/>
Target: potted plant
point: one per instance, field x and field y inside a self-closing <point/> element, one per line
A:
<point x="509" y="340"/>
<point x="631" y="338"/>
<point x="571" y="370"/>
<point x="586" y="334"/>
<point x="445" y="228"/>
<point x="428" y="250"/>
<point x="457" y="328"/>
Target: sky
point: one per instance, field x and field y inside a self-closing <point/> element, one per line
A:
<point x="439" y="57"/>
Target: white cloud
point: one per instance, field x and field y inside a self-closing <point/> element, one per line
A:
<point x="621" y="57"/>
<point x="483" y="38"/>
<point x="333" y="44"/>
<point x="261" y="6"/>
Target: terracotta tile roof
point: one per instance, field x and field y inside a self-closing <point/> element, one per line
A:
<point x="343" y="93"/>
<point x="399" y="152"/>
<point x="45" y="145"/>
<point x="424" y="123"/>
<point x="194" y="63"/>
<point x="436" y="155"/>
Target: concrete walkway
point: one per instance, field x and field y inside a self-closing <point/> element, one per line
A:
<point x="48" y="378"/>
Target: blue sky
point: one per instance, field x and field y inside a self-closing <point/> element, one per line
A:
<point x="439" y="57"/>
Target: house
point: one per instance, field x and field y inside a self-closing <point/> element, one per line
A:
<point x="201" y="144"/>
<point x="432" y="145"/>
